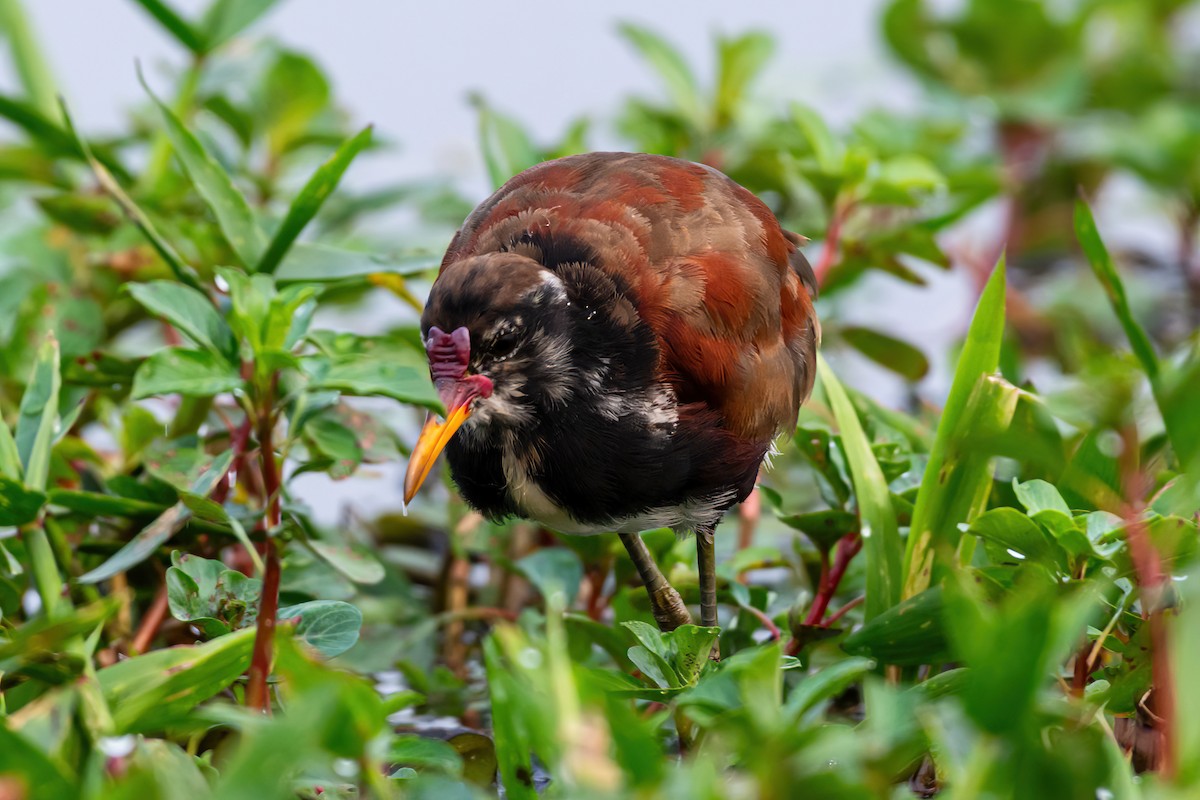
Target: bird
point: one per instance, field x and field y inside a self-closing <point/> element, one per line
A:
<point x="618" y="340"/>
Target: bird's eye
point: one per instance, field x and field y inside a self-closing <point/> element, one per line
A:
<point x="503" y="345"/>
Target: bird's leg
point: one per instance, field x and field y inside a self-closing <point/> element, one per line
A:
<point x="706" y="562"/>
<point x="665" y="602"/>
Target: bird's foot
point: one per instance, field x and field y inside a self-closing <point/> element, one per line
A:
<point x="668" y="608"/>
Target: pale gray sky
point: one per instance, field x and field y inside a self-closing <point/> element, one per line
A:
<point x="408" y="66"/>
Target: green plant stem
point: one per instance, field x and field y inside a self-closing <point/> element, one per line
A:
<point x="46" y="577"/>
<point x="28" y="60"/>
<point x="160" y="151"/>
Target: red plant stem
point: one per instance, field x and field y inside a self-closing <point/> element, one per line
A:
<point x="841" y="612"/>
<point x="1154" y="583"/>
<point x="257" y="696"/>
<point x="151" y="622"/>
<point x="833" y="236"/>
<point x="771" y="627"/>
<point x="847" y="548"/>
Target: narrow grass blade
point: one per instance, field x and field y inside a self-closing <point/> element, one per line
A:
<point x="233" y="213"/>
<point x="934" y="517"/>
<point x="881" y="537"/>
<point x="51" y="136"/>
<point x="10" y="459"/>
<point x="1106" y="273"/>
<point x="27" y="57"/>
<point x="131" y="210"/>
<point x="39" y="413"/>
<point x="176" y="25"/>
<point x="310" y="199"/>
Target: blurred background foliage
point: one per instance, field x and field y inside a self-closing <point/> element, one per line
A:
<point x="979" y="590"/>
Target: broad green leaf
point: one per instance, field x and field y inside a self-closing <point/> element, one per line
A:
<point x="292" y="95"/>
<point x="420" y="752"/>
<point x="366" y="376"/>
<point x="181" y="370"/>
<point x="39" y="416"/>
<point x="553" y="569"/>
<point x="214" y="597"/>
<point x="1017" y="536"/>
<point x="825" y="684"/>
<point x="678" y="78"/>
<point x="18" y="505"/>
<point x="1106" y="272"/>
<point x="881" y="536"/>
<point x="937" y="511"/>
<point x="829" y="152"/>
<point x="29" y="772"/>
<point x="157" y="689"/>
<point x="318" y="263"/>
<point x="739" y="60"/>
<point x="908" y="633"/>
<point x="898" y="356"/>
<point x="329" y="626"/>
<point x="1037" y="495"/>
<point x="337" y="443"/>
<point x="823" y="528"/>
<point x="233" y="213"/>
<point x="190" y="311"/>
<point x="310" y="199"/>
<point x="158" y="532"/>
<point x="225" y="19"/>
<point x="507" y="148"/>
<point x="355" y="563"/>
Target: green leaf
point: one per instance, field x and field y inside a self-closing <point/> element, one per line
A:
<point x="18" y="505"/>
<point x="39" y="416"/>
<point x="174" y="24"/>
<point x="158" y="532"/>
<point x="553" y="569"/>
<point x="87" y="214"/>
<point x="209" y="594"/>
<point x="131" y="210"/>
<point x="420" y="752"/>
<point x="507" y="148"/>
<point x="318" y="263"/>
<point x="10" y="456"/>
<point x="233" y="213"/>
<point x="881" y="536"/>
<point x="329" y="626"/>
<point x="829" y="152"/>
<point x="823" y="528"/>
<point x="190" y="311"/>
<point x="181" y="370"/>
<point x="1106" y="272"/>
<point x="367" y="376"/>
<point x="938" y="509"/>
<point x="678" y="78"/>
<point x="739" y="60"/>
<point x="825" y="684"/>
<point x="1017" y="536"/>
<point x="1037" y="495"/>
<point x="225" y="19"/>
<point x="310" y="199"/>
<point x="98" y="504"/>
<point x="27" y="769"/>
<point x="356" y="563"/>
<point x="908" y="633"/>
<point x="151" y="691"/>
<point x="898" y="356"/>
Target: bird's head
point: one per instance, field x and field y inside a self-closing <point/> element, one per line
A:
<point x="496" y="334"/>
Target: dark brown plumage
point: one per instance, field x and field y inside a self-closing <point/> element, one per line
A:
<point x="620" y="337"/>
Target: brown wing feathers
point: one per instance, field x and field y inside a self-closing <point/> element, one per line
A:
<point x="704" y="261"/>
